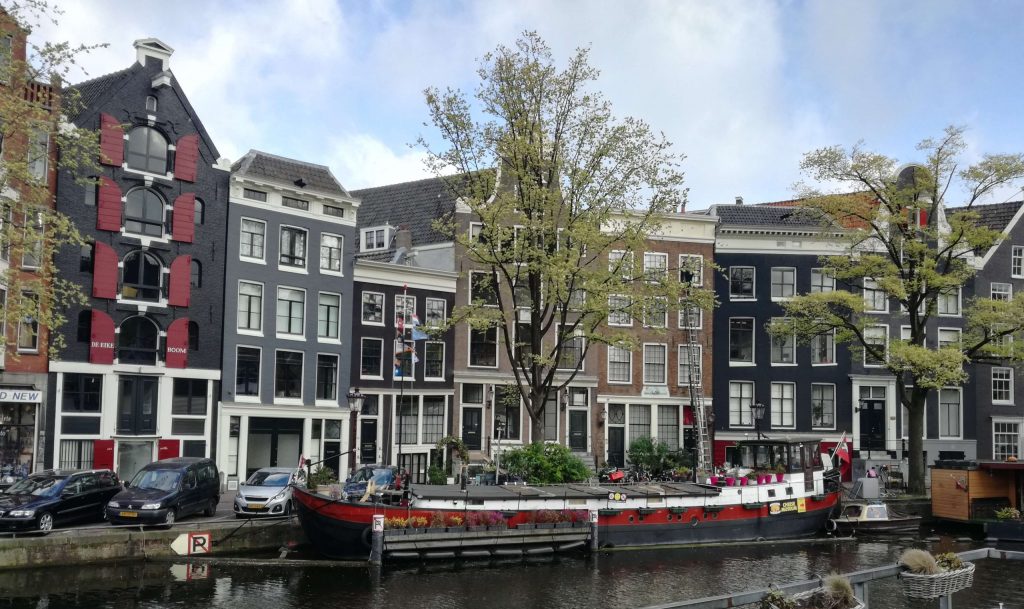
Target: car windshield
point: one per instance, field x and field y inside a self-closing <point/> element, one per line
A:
<point x="36" y="485"/>
<point x="378" y="475"/>
<point x="269" y="479"/>
<point x="157" y="479"/>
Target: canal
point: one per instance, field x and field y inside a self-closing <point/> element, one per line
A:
<point x="620" y="580"/>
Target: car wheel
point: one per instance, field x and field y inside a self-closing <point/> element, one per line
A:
<point x="45" y="523"/>
<point x="170" y="517"/>
<point x="211" y="508"/>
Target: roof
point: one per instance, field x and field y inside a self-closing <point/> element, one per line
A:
<point x="415" y="205"/>
<point x="769" y="216"/>
<point x="263" y="165"/>
<point x="996" y="216"/>
<point x="92" y="90"/>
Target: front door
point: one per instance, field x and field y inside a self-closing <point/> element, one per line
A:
<point x="368" y="441"/>
<point x="872" y="425"/>
<point x="617" y="446"/>
<point x="471" y="419"/>
<point x="578" y="430"/>
<point x="132" y="456"/>
<point x="332" y="458"/>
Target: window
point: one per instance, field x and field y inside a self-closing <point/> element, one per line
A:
<point x="507" y="411"/>
<point x="436" y="312"/>
<point x="409" y="419"/>
<point x="822" y="281"/>
<point x="137" y="341"/>
<point x="949" y="302"/>
<point x="288" y="375"/>
<point x="405" y="360"/>
<point x="333" y="210"/>
<point x="83" y="330"/>
<point x="741" y="340"/>
<point x="195" y="279"/>
<point x="948" y="337"/>
<point x="620" y="365"/>
<point x="6" y="217"/>
<point x="472" y="393"/>
<point x="33" y="243"/>
<point x="691" y="269"/>
<point x="741" y="395"/>
<point x="690" y="316"/>
<point x="326" y="377"/>
<point x="949" y="413"/>
<point x="655" y="266"/>
<point x="137" y="404"/>
<point x="433" y="418"/>
<point x="28" y="326"/>
<point x="1002" y="385"/>
<point x="252" y="239"/>
<point x="189" y="397"/>
<point x="373" y="239"/>
<point x="823" y="348"/>
<point x="199" y="212"/>
<point x="741" y="282"/>
<point x="684" y="365"/>
<point x="656" y="315"/>
<point x="405" y="309"/>
<point x="290" y="311"/>
<point x="573" y="347"/>
<point x="327" y="321"/>
<point x="483" y="347"/>
<point x="144" y="213"/>
<point x="150" y="103"/>
<point x="373" y="308"/>
<point x="293" y="247"/>
<point x="877" y="336"/>
<point x="823" y="406"/>
<point x="193" y="336"/>
<point x="875" y="300"/>
<point x="639" y="422"/>
<point x="141" y="278"/>
<point x="668" y="426"/>
<point x="783" y="404"/>
<point x="147" y="150"/>
<point x="1001" y="291"/>
<point x="247" y="372"/>
<point x="371" y="358"/>
<point x="783" y="349"/>
<point x="295" y="203"/>
<point x="1005" y="440"/>
<point x="82" y="392"/>
<point x="483" y="288"/>
<point x="76" y="454"/>
<point x="433" y="360"/>
<point x="6" y="44"/>
<point x="1017" y="261"/>
<point x="250" y="306"/>
<point x="38" y="153"/>
<point x="330" y="252"/>
<point x="255" y="195"/>
<point x="621" y="263"/>
<point x="783" y="282"/>
<point x="655" y="364"/>
<point x="618" y="311"/>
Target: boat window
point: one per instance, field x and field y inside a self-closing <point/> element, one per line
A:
<point x="778" y="455"/>
<point x="797" y="462"/>
<point x="746" y="457"/>
<point x="876" y="512"/>
<point x="852" y="511"/>
<point x="815" y="455"/>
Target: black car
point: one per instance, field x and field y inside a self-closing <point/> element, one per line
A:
<point x="165" y="491"/>
<point x="55" y="497"/>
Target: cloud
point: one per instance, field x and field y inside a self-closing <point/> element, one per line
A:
<point x="361" y="160"/>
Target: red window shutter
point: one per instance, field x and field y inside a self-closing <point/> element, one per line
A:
<point x="179" y="291"/>
<point x="101" y="339"/>
<point x="177" y="344"/>
<point x="168" y="449"/>
<point x="104" y="271"/>
<point x="923" y="218"/>
<point x="183" y="219"/>
<point x="108" y="205"/>
<point x="111" y="141"/>
<point x="186" y="157"/>
<point x="103" y="454"/>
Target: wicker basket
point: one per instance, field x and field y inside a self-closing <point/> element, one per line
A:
<point x="916" y="585"/>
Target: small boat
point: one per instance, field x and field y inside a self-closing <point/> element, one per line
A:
<point x="874" y="518"/>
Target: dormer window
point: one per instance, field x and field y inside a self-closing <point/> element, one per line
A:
<point x="374" y="239"/>
<point x="150" y="103"/>
<point x="295" y="203"/>
<point x="147" y="150"/>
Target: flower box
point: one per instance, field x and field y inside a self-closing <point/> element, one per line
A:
<point x="916" y="585"/>
<point x="526" y="526"/>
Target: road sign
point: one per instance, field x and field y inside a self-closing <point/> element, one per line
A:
<point x="188" y="544"/>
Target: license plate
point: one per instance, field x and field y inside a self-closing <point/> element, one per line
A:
<point x="128" y="514"/>
<point x="255" y="506"/>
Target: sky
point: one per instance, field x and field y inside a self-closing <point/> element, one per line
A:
<point x="743" y="89"/>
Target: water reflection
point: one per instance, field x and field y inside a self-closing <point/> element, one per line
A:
<point x="622" y="579"/>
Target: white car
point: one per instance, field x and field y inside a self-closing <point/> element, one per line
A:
<point x="266" y="493"/>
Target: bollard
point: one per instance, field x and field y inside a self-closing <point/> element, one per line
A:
<point x="593" y="531"/>
<point x="377" y="548"/>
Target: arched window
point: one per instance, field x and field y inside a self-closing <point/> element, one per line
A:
<point x="147" y="150"/>
<point x="141" y="279"/>
<point x="197" y="274"/>
<point x="200" y="212"/>
<point x="144" y="213"/>
<point x="137" y="341"/>
<point x="150" y="103"/>
<point x="193" y="336"/>
<point x="84" y="331"/>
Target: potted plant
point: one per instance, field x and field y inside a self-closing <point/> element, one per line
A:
<point x="454" y="523"/>
<point x="530" y="523"/>
<point x="395" y="526"/>
<point x="496" y="521"/>
<point x="546" y="519"/>
<point x="835" y="592"/>
<point x="780" y="472"/>
<point x="321" y="477"/>
<point x="473" y="522"/>
<point x="417" y="524"/>
<point x="927" y="576"/>
<point x="436" y="523"/>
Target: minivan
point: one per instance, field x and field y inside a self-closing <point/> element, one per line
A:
<point x="166" y="491"/>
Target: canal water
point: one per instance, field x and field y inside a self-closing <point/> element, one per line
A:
<point x="620" y="580"/>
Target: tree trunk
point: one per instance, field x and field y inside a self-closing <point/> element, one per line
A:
<point x="915" y="453"/>
<point x="537" y="427"/>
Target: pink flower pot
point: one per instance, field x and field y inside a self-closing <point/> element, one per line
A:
<point x="778" y="477"/>
<point x="743" y="481"/>
<point x="730" y="481"/>
<point x="762" y="479"/>
<point x="713" y="480"/>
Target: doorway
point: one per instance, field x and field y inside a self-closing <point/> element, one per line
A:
<point x="471" y="419"/>
<point x="368" y="441"/>
<point x="617" y="446"/>
<point x="872" y="425"/>
<point x="132" y="456"/>
<point x="332" y="458"/>
<point x="273" y="443"/>
<point x="578" y="430"/>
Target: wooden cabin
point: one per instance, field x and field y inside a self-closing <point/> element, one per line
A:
<point x="967" y="491"/>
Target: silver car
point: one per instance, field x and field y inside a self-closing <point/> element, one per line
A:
<point x="265" y="493"/>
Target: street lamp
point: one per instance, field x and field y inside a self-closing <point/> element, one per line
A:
<point x="355" y="406"/>
<point x="757" y="410"/>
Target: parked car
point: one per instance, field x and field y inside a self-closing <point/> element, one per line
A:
<point x="56" y="497"/>
<point x="166" y="491"/>
<point x="384" y="477"/>
<point x="267" y="492"/>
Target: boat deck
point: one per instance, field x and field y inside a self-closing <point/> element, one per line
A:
<point x="562" y="491"/>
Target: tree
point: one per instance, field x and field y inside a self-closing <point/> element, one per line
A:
<point x="31" y="130"/>
<point x="556" y="184"/>
<point x="902" y="238"/>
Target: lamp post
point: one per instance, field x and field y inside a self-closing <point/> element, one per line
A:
<point x="757" y="411"/>
<point x="355" y="406"/>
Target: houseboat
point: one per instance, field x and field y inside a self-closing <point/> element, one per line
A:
<point x="789" y="489"/>
<point x="974" y="492"/>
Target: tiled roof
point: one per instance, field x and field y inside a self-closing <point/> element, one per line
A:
<point x="92" y="90"/>
<point x="995" y="216"/>
<point x="261" y="165"/>
<point x="769" y="216"/>
<point x="413" y="204"/>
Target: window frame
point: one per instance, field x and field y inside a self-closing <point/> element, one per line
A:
<point x="281" y="255"/>
<point x="241" y="241"/>
<point x="1015" y="421"/>
<point x="753" y="342"/>
<point x="141" y="219"/>
<point x="831" y="334"/>
<point x="327" y="401"/>
<point x="772" y="338"/>
<point x="943" y="418"/>
<point x="834" y="406"/>
<point x="497" y="348"/>
<point x="383" y="230"/>
<point x="683" y="317"/>
<point x="1017" y="262"/>
<point x="742" y="411"/>
<point x="664" y="376"/>
<point x="697" y="274"/>
<point x="660" y="270"/>
<point x="248" y="330"/>
<point x="943" y="297"/>
<point x="362" y="358"/>
<point x="301" y="335"/>
<point x="362" y="307"/>
<point x="685" y="360"/>
<point x="337" y="323"/>
<point x="1008" y="292"/>
<point x="1009" y="381"/>
<point x="871" y="295"/>
<point x="885" y="343"/>
<point x="248" y="397"/>
<point x="427" y="321"/>
<point x="662" y="303"/>
<point x="820" y="285"/>
<point x="753" y="283"/>
<point x="301" y="376"/>
<point x="783" y="271"/>
<point x="248" y="192"/>
<point x="618" y="315"/>
<point x="472" y="297"/>
<point x="426" y="360"/>
<point x="609" y="362"/>
<point x="340" y="271"/>
<point x="129" y="153"/>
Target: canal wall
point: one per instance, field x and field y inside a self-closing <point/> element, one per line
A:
<point x="105" y="545"/>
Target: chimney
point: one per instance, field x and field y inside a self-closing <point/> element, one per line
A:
<point x="739" y="200"/>
<point x="146" y="48"/>
<point x="403" y="238"/>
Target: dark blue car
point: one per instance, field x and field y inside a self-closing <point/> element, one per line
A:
<point x="56" y="497"/>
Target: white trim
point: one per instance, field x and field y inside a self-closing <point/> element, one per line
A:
<point x="629" y="303"/>
<point x="992" y="391"/>
<point x="328" y="339"/>
<point x="292" y="268"/>
<point x="679" y="365"/>
<point x="835" y="406"/>
<point x="383" y="308"/>
<point x="885" y="338"/>
<point x="386" y="229"/>
<point x="1017" y="249"/>
<point x="259" y="381"/>
<point x="305" y="302"/>
<point x="753" y="283"/>
<point x="959" y="304"/>
<point x="960" y="412"/>
<point x="864" y="296"/>
<point x="608" y="365"/>
<point x="753" y="342"/>
<point x="337" y="381"/>
<point x="771" y="401"/>
<point x="252" y="259"/>
<point x="444" y="353"/>
<point x="341" y="255"/>
<point x="399" y="275"/>
<point x="699" y="276"/>
<point x="238" y="299"/>
<point x="771" y="283"/>
<point x="664" y="380"/>
<point x="497" y="349"/>
<point x="302" y="377"/>
<point x="379" y="377"/>
<point x="938" y="334"/>
<point x="151" y="370"/>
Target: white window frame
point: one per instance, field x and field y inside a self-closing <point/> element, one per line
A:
<point x="1005" y="291"/>
<point x="870" y="293"/>
<point x="683" y="318"/>
<point x="328" y="339"/>
<point x="941" y="298"/>
<point x="254" y="259"/>
<point x="822" y="284"/>
<point x="664" y="349"/>
<point x="305" y="300"/>
<point x="938" y="336"/>
<point x="253" y="399"/>
<point x="684" y="360"/>
<point x="341" y="255"/>
<point x="782" y="270"/>
<point x="778" y="412"/>
<point x="263" y="293"/>
<point x="302" y="378"/>
<point x="625" y="259"/>
<point x="698" y="273"/>
<point x="832" y="359"/>
<point x="663" y="322"/>
<point x="444" y="352"/>
<point x="497" y="350"/>
<point x="1017" y="262"/>
<point x="373" y="230"/>
<point x="960" y="413"/>
<point x="608" y="365"/>
<point x="753" y="283"/>
<point x="395" y="346"/>
<point x="470" y="295"/>
<point x="992" y="385"/>
<point x="404" y="299"/>
<point x="380" y="370"/>
<point x="292" y="268"/>
<point x="618" y="324"/>
<point x="753" y="343"/>
<point x="650" y="257"/>
<point x="383" y="308"/>
<point x="1019" y="422"/>
<point x="771" y="355"/>
<point x="834" y="406"/>
<point x="316" y="380"/>
<point x="578" y="335"/>
<point x="745" y="418"/>
<point x="885" y="338"/>
<point x="444" y="311"/>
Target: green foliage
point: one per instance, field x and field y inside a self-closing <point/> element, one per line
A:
<point x="949" y="561"/>
<point x="919" y="561"/>
<point x="457" y="444"/>
<point x="322" y="476"/>
<point x="1008" y="513"/>
<point x="776" y="599"/>
<point x="436" y="475"/>
<point x="541" y="463"/>
<point x="839" y="589"/>
<point x="654" y="456"/>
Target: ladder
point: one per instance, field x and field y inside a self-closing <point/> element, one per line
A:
<point x="700" y="423"/>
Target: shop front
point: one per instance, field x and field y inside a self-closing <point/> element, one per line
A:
<point x="19" y="421"/>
